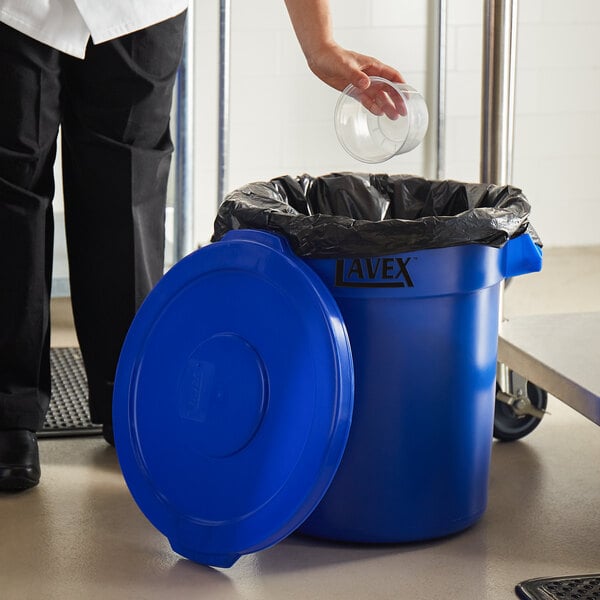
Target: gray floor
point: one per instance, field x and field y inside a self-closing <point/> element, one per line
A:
<point x="79" y="535"/>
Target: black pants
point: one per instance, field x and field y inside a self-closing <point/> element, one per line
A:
<point x="113" y="109"/>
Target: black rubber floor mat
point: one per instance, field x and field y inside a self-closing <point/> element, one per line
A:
<point x="582" y="587"/>
<point x="68" y="414"/>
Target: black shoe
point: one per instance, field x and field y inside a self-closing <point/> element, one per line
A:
<point x="19" y="460"/>
<point x="107" y="432"/>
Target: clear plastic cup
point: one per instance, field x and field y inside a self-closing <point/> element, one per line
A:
<point x="385" y="120"/>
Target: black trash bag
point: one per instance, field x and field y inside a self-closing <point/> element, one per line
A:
<point x="353" y="214"/>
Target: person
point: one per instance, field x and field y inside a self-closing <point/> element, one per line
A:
<point x="104" y="73"/>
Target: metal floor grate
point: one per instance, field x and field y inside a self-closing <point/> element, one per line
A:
<point x="68" y="414"/>
<point x="584" y="587"/>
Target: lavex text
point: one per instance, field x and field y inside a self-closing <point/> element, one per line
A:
<point x="373" y="272"/>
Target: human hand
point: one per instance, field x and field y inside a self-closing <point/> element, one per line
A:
<point x="338" y="68"/>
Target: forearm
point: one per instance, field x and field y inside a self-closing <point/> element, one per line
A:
<point x="331" y="63"/>
<point x="312" y="23"/>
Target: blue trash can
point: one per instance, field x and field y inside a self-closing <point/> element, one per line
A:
<point x="423" y="328"/>
<point x="351" y="397"/>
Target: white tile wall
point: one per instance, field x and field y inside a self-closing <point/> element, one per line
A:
<point x="392" y="13"/>
<point x="558" y="118"/>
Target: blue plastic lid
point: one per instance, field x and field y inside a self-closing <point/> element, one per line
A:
<point x="233" y="398"/>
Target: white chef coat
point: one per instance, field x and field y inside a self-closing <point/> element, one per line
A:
<point x="68" y="24"/>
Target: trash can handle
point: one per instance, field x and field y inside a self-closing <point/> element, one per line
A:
<point x="521" y="255"/>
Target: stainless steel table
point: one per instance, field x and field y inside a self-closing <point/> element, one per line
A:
<point x="559" y="353"/>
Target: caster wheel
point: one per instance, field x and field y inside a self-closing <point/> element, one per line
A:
<point x="508" y="425"/>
